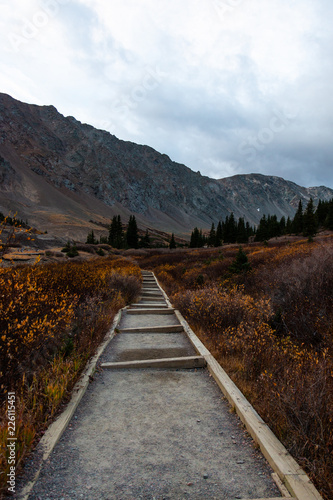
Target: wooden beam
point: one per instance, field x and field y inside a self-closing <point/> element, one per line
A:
<point x="186" y="362"/>
<point x="154" y="329"/>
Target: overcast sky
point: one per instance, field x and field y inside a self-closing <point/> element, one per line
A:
<point x="223" y="86"/>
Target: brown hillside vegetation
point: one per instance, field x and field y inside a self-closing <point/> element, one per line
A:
<point x="270" y="325"/>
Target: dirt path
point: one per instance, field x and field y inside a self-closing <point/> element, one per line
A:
<point x="154" y="432"/>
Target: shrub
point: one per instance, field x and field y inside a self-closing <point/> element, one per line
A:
<point x="52" y="318"/>
<point x="272" y="329"/>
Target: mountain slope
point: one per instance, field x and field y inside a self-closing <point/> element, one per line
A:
<point x="58" y="172"/>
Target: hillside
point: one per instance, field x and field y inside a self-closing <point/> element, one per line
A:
<point x="62" y="174"/>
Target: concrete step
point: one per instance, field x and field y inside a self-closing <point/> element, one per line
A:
<point x="149" y="305"/>
<point x="151" y="311"/>
<point x="154" y="329"/>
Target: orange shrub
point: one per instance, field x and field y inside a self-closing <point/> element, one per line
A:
<point x="52" y="318"/>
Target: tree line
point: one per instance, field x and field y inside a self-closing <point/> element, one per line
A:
<point x="120" y="238"/>
<point x="306" y="222"/>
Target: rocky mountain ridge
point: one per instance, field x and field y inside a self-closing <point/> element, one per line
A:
<point x="61" y="174"/>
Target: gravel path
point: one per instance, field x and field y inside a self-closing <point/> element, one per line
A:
<point x="153" y="434"/>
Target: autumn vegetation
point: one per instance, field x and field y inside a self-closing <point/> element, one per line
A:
<point x="266" y="312"/>
<point x="52" y="318"/>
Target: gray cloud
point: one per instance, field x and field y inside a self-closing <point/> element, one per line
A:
<point x="224" y="87"/>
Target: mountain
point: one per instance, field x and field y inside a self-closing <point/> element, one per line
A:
<point x="67" y="177"/>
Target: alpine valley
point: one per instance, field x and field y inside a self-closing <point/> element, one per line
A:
<point x="68" y="178"/>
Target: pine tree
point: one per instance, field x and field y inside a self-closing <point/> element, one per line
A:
<point x="309" y="220"/>
<point x="197" y="239"/>
<point x="297" y="224"/>
<point x="241" y="263"/>
<point x="282" y="224"/>
<point x="288" y="226"/>
<point x="172" y="243"/>
<point x="145" y="240"/>
<point x="262" y="230"/>
<point x="321" y="212"/>
<point x="132" y="238"/>
<point x="230" y="229"/>
<point x="194" y="241"/>
<point x="329" y="218"/>
<point x="116" y="236"/>
<point x="218" y="235"/>
<point x="241" y="231"/>
<point x="212" y="236"/>
<point x="91" y="238"/>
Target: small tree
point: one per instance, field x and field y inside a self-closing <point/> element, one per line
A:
<point x="212" y="236"/>
<point x="172" y="243"/>
<point x="91" y="238"/>
<point x="241" y="263"/>
<point x="197" y="238"/>
<point x="116" y="235"/>
<point x="297" y="224"/>
<point x="145" y="240"/>
<point x="309" y="220"/>
<point x="218" y="235"/>
<point x="329" y="218"/>
<point x="132" y="233"/>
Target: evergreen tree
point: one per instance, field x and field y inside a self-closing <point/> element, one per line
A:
<point x="297" y="224"/>
<point x="91" y="238"/>
<point x="172" y="243"/>
<point x="242" y="236"/>
<point x="132" y="238"/>
<point x="229" y="229"/>
<point x="274" y="227"/>
<point x="116" y="235"/>
<point x="329" y="218"/>
<point x="194" y="238"/>
<point x="212" y="236"/>
<point x="249" y="230"/>
<point x="241" y="263"/>
<point x="218" y="235"/>
<point x="282" y="225"/>
<point x="322" y="212"/>
<point x="145" y="241"/>
<point x="103" y="240"/>
<point x="262" y="230"/>
<point x="197" y="238"/>
<point x="309" y="220"/>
